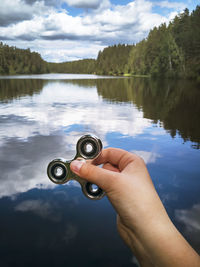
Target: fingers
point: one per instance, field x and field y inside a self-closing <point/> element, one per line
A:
<point x="110" y="167"/>
<point x="102" y="177"/>
<point x="116" y="157"/>
<point x="114" y="161"/>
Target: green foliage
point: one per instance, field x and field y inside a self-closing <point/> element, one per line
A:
<point x="186" y="31"/>
<point x="163" y="56"/>
<point x="158" y="55"/>
<point x="136" y="61"/>
<point x="113" y="59"/>
<point x="11" y="89"/>
<point x="168" y="51"/>
<point x="20" y="61"/>
<point x="86" y="66"/>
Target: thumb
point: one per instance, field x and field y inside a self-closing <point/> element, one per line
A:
<point x="94" y="174"/>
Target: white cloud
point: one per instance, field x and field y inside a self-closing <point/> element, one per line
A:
<point x="190" y="217"/>
<point x="39" y="207"/>
<point x="158" y="131"/>
<point x="50" y="30"/>
<point x="148" y="156"/>
<point x="179" y="6"/>
<point x="69" y="52"/>
<point x="81" y="107"/>
<point x="45" y="118"/>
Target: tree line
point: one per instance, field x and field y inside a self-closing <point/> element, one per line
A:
<point x="84" y="66"/>
<point x="20" y="61"/>
<point x="169" y="51"/>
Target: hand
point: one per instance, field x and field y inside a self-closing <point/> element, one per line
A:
<point x="142" y="220"/>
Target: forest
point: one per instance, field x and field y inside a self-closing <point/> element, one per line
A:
<point x="20" y="61"/>
<point x="84" y="66"/>
<point x="169" y="51"/>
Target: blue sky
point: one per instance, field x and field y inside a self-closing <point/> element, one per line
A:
<point x="65" y="30"/>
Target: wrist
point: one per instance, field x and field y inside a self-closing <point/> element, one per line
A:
<point x="164" y="245"/>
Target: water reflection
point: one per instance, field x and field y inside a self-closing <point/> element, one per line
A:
<point x="59" y="228"/>
<point x="148" y="156"/>
<point x="11" y="89"/>
<point x="23" y="163"/>
<point x="190" y="221"/>
<point x="38" y="127"/>
<point x="175" y="104"/>
<point x="42" y="119"/>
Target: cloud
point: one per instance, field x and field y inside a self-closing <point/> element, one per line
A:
<point x="80" y="107"/>
<point x="190" y="218"/>
<point x="148" y="157"/>
<point x="23" y="164"/>
<point x="105" y="24"/>
<point x="179" y="6"/>
<point x="38" y="207"/>
<point x="70" y="232"/>
<point x="94" y="4"/>
<point x="14" y="18"/>
<point x="8" y="17"/>
<point x="69" y="51"/>
<point x="46" y="2"/>
<point x="12" y="12"/>
<point x="26" y="37"/>
<point x="41" y="127"/>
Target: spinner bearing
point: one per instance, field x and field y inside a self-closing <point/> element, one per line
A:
<point x="59" y="172"/>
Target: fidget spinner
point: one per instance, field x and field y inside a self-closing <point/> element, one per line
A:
<point x="59" y="172"/>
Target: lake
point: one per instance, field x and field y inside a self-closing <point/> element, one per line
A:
<point x="43" y="116"/>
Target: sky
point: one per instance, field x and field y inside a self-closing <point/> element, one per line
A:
<point x="67" y="30"/>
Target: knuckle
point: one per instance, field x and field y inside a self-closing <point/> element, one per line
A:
<point x="140" y="160"/>
<point x="87" y="170"/>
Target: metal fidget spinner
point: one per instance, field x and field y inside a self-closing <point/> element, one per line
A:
<point x="59" y="172"/>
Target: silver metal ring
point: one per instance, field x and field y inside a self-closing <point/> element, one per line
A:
<point x="57" y="171"/>
<point x="89" y="147"/>
<point x="92" y="191"/>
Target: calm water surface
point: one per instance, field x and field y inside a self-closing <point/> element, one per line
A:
<point x="43" y="116"/>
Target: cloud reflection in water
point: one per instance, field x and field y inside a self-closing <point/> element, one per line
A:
<point x="38" y="207"/>
<point x="43" y="126"/>
<point x="60" y="105"/>
<point x="148" y="156"/>
<point x="190" y="219"/>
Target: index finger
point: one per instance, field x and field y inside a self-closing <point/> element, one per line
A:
<point x="115" y="156"/>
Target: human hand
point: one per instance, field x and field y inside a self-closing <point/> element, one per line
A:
<point x="142" y="220"/>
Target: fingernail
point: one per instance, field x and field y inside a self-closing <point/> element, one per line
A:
<point x="76" y="165"/>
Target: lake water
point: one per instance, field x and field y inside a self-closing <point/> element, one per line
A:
<point x="43" y="116"/>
